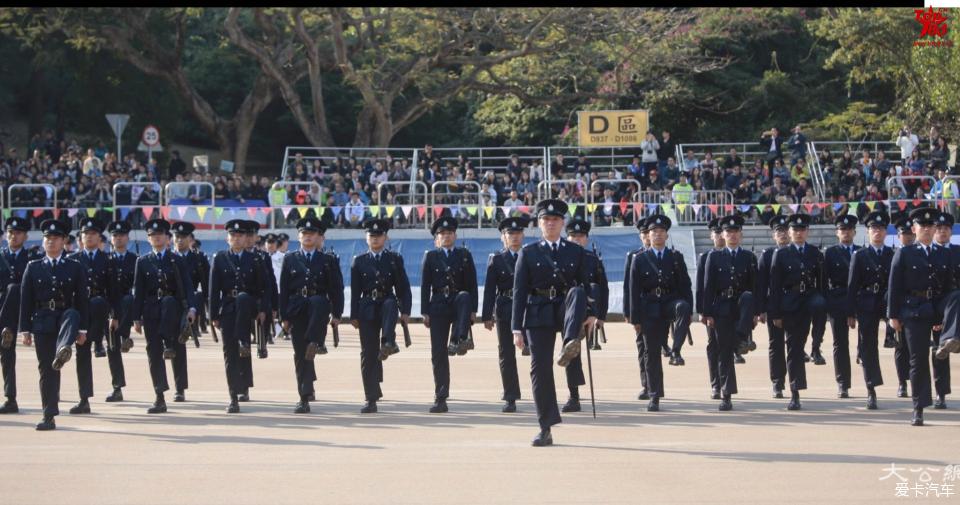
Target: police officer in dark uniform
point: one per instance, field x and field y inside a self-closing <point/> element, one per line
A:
<point x="795" y="273"/>
<point x="266" y="263"/>
<point x="448" y="302"/>
<point x="94" y="262"/>
<point x="866" y="299"/>
<point x="311" y="296"/>
<point x="728" y="302"/>
<point x="836" y="275"/>
<point x="161" y="296"/>
<point x="598" y="294"/>
<point x="379" y="294"/>
<point x="121" y="266"/>
<point x="550" y="296"/>
<point x="660" y="294"/>
<point x="641" y="348"/>
<point x="716" y="235"/>
<point x="197" y="264"/>
<point x="498" y="304"/>
<point x="53" y="312"/>
<point x="950" y="308"/>
<point x="920" y="278"/>
<point x="776" y="353"/>
<point x="237" y="291"/>
<point x="13" y="262"/>
<point x="894" y="339"/>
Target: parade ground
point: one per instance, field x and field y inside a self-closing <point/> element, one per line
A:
<point x="833" y="450"/>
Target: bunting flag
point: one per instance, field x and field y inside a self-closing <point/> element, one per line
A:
<point x="870" y="205"/>
<point x="56" y="213"/>
<point x="437" y="210"/>
<point x="336" y="211"/>
<point x="165" y="211"/>
<point x="682" y="207"/>
<point x="391" y="209"/>
<point x="525" y="209"/>
<point x="744" y="208"/>
<point x="6" y="213"/>
<point x="667" y="208"/>
<point x="728" y="208"/>
<point x="713" y="208"/>
<point x="823" y="205"/>
<point x="124" y="212"/>
<point x="651" y="208"/>
<point x="73" y="212"/>
<point x="776" y="207"/>
<point x="638" y="208"/>
<point x="421" y="211"/>
<point x="488" y="211"/>
<point x="406" y="210"/>
<point x="147" y="212"/>
<point x="837" y="206"/>
<point x="902" y="204"/>
<point x="108" y="209"/>
<point x="623" y="207"/>
<point x="302" y="211"/>
<point x="591" y="207"/>
<point x="916" y="202"/>
<point x="471" y="210"/>
<point x="181" y="211"/>
<point x="218" y="211"/>
<point x="696" y="208"/>
<point x="202" y="211"/>
<point x="374" y="210"/>
<point x="809" y="207"/>
<point x="853" y="207"/>
<point x="252" y="212"/>
<point x="793" y="207"/>
<point x="571" y="208"/>
<point x="506" y="211"/>
<point x="22" y="213"/>
<point x="91" y="211"/>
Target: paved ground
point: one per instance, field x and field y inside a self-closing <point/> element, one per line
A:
<point x="832" y="451"/>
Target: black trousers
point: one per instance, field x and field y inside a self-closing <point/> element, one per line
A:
<point x="235" y="327"/>
<point x="941" y="368"/>
<point x="901" y="357"/>
<point x="310" y="325"/>
<point x="868" y="331"/>
<point x="841" y="347"/>
<point x="796" y="328"/>
<point x="163" y="333"/>
<point x="382" y="328"/>
<point x="99" y="311"/>
<point x="713" y="359"/>
<point x="917" y="333"/>
<point x="46" y="346"/>
<point x="10" y="318"/>
<point x="507" y="353"/>
<point x="727" y="338"/>
<point x="442" y="324"/>
<point x="568" y="319"/>
<point x="655" y="333"/>
<point x="777" y="355"/>
<point x="642" y="359"/>
<point x="819" y="326"/>
<point x="118" y="375"/>
<point x="951" y="316"/>
<point x="680" y="312"/>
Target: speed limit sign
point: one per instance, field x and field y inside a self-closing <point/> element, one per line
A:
<point x="151" y="136"/>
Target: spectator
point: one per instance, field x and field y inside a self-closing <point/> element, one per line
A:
<point x="671" y="171"/>
<point x="635" y="169"/>
<point x="732" y="160"/>
<point x="649" y="147"/>
<point x="536" y="171"/>
<point x="582" y="166"/>
<point x="176" y="166"/>
<point x="354" y="210"/>
<point x="881" y="167"/>
<point x="939" y="153"/>
<point x="690" y="162"/>
<point x="668" y="149"/>
<point x="798" y="145"/>
<point x="907" y="142"/>
<point x="513" y="166"/>
<point x="682" y="191"/>
<point x="732" y="181"/>
<point x="772" y="144"/>
<point x="653" y="181"/>
<point x="708" y="162"/>
<point x="559" y="165"/>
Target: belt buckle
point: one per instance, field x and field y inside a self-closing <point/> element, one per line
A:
<point x="159" y="294"/>
<point x="304" y="291"/>
<point x="375" y="294"/>
<point x="658" y="291"/>
<point x="876" y="287"/>
<point x="930" y="294"/>
<point x="446" y="291"/>
<point x="730" y="292"/>
<point x="233" y="293"/>
<point x="803" y="287"/>
<point x="52" y="305"/>
<point x="553" y="292"/>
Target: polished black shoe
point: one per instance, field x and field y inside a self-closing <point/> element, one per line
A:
<point x="311" y="351"/>
<point x="303" y="407"/>
<point x="321" y="349"/>
<point x="743" y="347"/>
<point x="9" y="407"/>
<point x="468" y="342"/>
<point x="572" y="405"/>
<point x="126" y="345"/>
<point x="99" y="351"/>
<point x="806" y="357"/>
<point x="543" y="439"/>
<point x="644" y="394"/>
<point x="159" y="406"/>
<point x="678" y="359"/>
<point x="794" y="401"/>
<point x="673" y="360"/>
<point x="917" y="418"/>
<point x="453" y="348"/>
<point x="525" y="351"/>
<point x="843" y="392"/>
<point x="570" y="350"/>
<point x="715" y="394"/>
<point x="81" y="408"/>
<point x="169" y="353"/>
<point x="369" y="408"/>
<point x="234" y="407"/>
<point x="115" y="396"/>
<point x="871" y="400"/>
<point x="654" y="405"/>
<point x="63" y="356"/>
<point x="47" y="424"/>
<point x="726" y="404"/>
<point x="738" y="359"/>
<point x="595" y="345"/>
<point x="244" y="397"/>
<point x="777" y="391"/>
<point x="388" y="349"/>
<point x="818" y="358"/>
<point x="244" y="351"/>
<point x="179" y="397"/>
<point x="439" y="407"/>
<point x="462" y="347"/>
<point x="509" y="407"/>
<point x="7" y="338"/>
<point x="902" y="390"/>
<point x="940" y="403"/>
<point x="751" y="345"/>
<point x="951" y="345"/>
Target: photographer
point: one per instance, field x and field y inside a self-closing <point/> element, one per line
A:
<point x="907" y="142"/>
<point x="649" y="146"/>
<point x="772" y="143"/>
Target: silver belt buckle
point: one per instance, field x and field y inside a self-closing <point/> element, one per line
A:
<point x="52" y="304"/>
<point x="553" y="292"/>
<point x="803" y="287"/>
<point x="930" y="294"/>
<point x="658" y="291"/>
<point x="730" y="292"/>
<point x="304" y="291"/>
<point x="375" y="293"/>
<point x="876" y="287"/>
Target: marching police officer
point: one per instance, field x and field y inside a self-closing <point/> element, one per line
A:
<point x="776" y="353"/>
<point x="660" y="294"/>
<point x="728" y="303"/>
<point x="498" y="304"/>
<point x="866" y="299"/>
<point x="920" y="278"/>
<point x="598" y="294"/>
<point x="550" y="297"/>
<point x="197" y="264"/>
<point x="121" y="266"/>
<point x="641" y="348"/>
<point x="53" y="312"/>
<point x="13" y="262"/>
<point x="716" y="236"/>
<point x="161" y="297"/>
<point x="237" y="290"/>
<point x="94" y="263"/>
<point x="379" y="293"/>
<point x="836" y="275"/>
<point x="448" y="302"/>
<point x="950" y="309"/>
<point x="795" y="272"/>
<point x="311" y="296"/>
<point x="894" y="339"/>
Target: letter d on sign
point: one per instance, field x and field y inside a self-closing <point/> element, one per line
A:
<point x="595" y="122"/>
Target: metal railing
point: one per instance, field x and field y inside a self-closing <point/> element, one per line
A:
<point x="460" y="206"/>
<point x="600" y="159"/>
<point x="907" y="201"/>
<point x="168" y="199"/>
<point x="284" y="185"/>
<point x="816" y="171"/>
<point x="490" y="158"/>
<point x="412" y="218"/>
<point x="48" y="188"/>
<point x="545" y="188"/>
<point x="591" y="202"/>
<point x="117" y="206"/>
<point x="326" y="156"/>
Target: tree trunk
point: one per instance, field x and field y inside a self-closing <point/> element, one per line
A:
<point x="374" y="127"/>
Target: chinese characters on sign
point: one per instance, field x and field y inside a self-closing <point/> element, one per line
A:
<point x="933" y="31"/>
<point x="922" y="484"/>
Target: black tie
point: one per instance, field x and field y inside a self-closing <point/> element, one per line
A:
<point x="733" y="254"/>
<point x="659" y="256"/>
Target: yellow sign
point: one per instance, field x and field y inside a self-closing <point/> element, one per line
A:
<point x="612" y="128"/>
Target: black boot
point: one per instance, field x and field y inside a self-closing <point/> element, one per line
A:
<point x="370" y="407"/>
<point x="303" y="406"/>
<point x="644" y="394"/>
<point x="116" y="396"/>
<point x="917" y="418"/>
<point x="47" y="424"/>
<point x="654" y="405"/>
<point x="941" y="402"/>
<point x="159" y="405"/>
<point x="509" y="406"/>
<point x="10" y="407"/>
<point x="777" y="391"/>
<point x="794" y="400"/>
<point x="902" y="390"/>
<point x="99" y="351"/>
<point x="715" y="394"/>
<point x="572" y="405"/>
<point x="179" y="397"/>
<point x="726" y="404"/>
<point x="81" y="408"/>
<point x="439" y="407"/>
<point x="234" y="407"/>
<point x="842" y="392"/>
<point x="817" y="357"/>
<point x="871" y="399"/>
<point x="738" y="359"/>
<point x="543" y="439"/>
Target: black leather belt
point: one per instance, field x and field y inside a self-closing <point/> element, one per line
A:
<point x="874" y="288"/>
<point x="927" y="294"/>
<point x="551" y="292"/>
<point x="311" y="292"/>
<point x="800" y="288"/>
<point x="507" y="293"/>
<point x="163" y="292"/>
<point x="52" y="305"/>
<point x="730" y="293"/>
<point x="446" y="291"/>
<point x="658" y="291"/>
<point x="377" y="294"/>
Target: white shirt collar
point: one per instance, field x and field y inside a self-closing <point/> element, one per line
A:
<point x="657" y="251"/>
<point x="50" y="260"/>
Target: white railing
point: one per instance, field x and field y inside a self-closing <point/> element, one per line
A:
<point x="459" y="205"/>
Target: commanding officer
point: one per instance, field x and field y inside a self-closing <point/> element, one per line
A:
<point x="836" y="275"/>
<point x="161" y="296"/>
<point x="728" y="302"/>
<point x="641" y="348"/>
<point x="777" y="358"/>
<point x="949" y="307"/>
<point x="716" y="236"/>
<point x="94" y="264"/>
<point x="598" y="294"/>
<point x="53" y="310"/>
<point x="311" y="296"/>
<point x="660" y="294"/>
<point x="448" y="301"/>
<point x="866" y="299"/>
<point x="379" y="293"/>
<point x="920" y="278"/>
<point x="894" y="339"/>
<point x="237" y="291"/>
<point x="121" y="266"/>
<point x="550" y="297"/>
<point x="13" y="261"/>
<point x="498" y="304"/>
<point x="795" y="271"/>
<point x="197" y="263"/>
